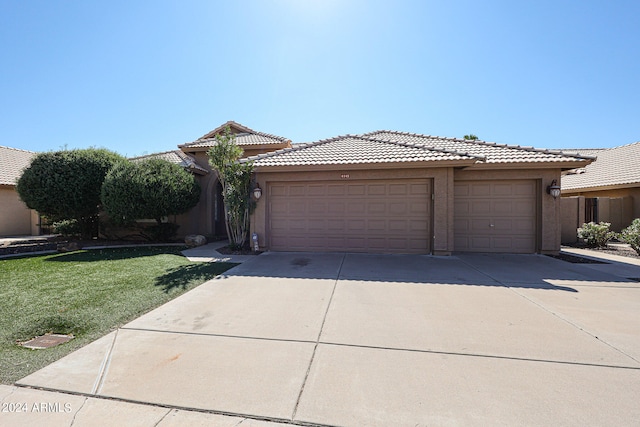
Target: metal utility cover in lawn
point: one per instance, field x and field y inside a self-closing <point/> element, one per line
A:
<point x="47" y="341"/>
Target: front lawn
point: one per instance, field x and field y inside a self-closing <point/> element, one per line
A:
<point x="87" y="294"/>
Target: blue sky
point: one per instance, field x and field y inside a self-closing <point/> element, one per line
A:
<point x="140" y="77"/>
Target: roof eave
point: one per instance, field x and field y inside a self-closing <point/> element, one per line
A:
<point x="186" y="148"/>
<point x="600" y="188"/>
<point x="567" y="165"/>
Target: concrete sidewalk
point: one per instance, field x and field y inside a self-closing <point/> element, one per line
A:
<point x="209" y="253"/>
<point x="376" y="340"/>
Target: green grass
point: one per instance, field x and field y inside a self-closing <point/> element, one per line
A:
<point x="87" y="294"/>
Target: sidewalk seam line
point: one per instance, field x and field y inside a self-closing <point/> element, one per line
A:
<point x="177" y="407"/>
<point x="592" y="335"/>
<point x="15" y="388"/>
<point x="169" y="410"/>
<point x="512" y="289"/>
<point x="201" y="334"/>
<point x="315" y="347"/>
<point x="97" y="387"/>
<point x="486" y="356"/>
<point x="84" y="402"/>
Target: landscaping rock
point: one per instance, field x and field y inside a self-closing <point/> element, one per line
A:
<point x="193" y="240"/>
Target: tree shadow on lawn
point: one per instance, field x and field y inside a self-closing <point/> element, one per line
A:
<point x="181" y="277"/>
<point x="113" y="254"/>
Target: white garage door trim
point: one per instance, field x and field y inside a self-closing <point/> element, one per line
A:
<point x="496" y="216"/>
<point x="383" y="216"/>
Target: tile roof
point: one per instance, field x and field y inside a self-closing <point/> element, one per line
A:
<point x="491" y="151"/>
<point x="12" y="162"/>
<point x="618" y="166"/>
<point x="355" y="149"/>
<point x="177" y="157"/>
<point x="244" y="136"/>
<point x="391" y="146"/>
<point x="591" y="152"/>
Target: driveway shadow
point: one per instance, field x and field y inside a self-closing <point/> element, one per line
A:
<point x="539" y="271"/>
<point x="181" y="277"/>
<point x="505" y="270"/>
<point x="292" y="265"/>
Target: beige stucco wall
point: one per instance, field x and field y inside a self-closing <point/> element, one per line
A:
<point x="201" y="219"/>
<point x="571" y="217"/>
<point x="15" y="217"/>
<point x="443" y="203"/>
<point x="619" y="212"/>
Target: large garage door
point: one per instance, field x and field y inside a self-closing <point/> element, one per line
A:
<point x="354" y="216"/>
<point x="495" y="216"/>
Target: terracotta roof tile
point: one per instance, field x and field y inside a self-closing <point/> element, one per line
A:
<point x="491" y="151"/>
<point x="391" y="146"/>
<point x="245" y="136"/>
<point x="174" y="156"/>
<point x="616" y="166"/>
<point x="353" y="149"/>
<point x="12" y="163"/>
<point x="591" y="152"/>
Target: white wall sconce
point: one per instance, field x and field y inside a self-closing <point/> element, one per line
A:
<point x="257" y="192"/>
<point x="554" y="189"/>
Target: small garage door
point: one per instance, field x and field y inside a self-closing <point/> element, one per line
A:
<point x="495" y="216"/>
<point x="354" y="216"/>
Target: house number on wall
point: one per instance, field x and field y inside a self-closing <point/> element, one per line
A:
<point x="344" y="176"/>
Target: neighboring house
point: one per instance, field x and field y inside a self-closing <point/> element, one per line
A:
<point x="15" y="218"/>
<point x="397" y="192"/>
<point x="606" y="190"/>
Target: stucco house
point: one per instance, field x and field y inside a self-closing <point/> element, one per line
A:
<point x="15" y="218"/>
<point x="606" y="190"/>
<point x="389" y="192"/>
<point x="397" y="192"/>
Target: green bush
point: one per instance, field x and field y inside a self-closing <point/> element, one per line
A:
<point x="149" y="189"/>
<point x="631" y="235"/>
<point x="67" y="227"/>
<point x="66" y="184"/>
<point x="596" y="235"/>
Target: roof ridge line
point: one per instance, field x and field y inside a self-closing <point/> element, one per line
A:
<point x="623" y="145"/>
<point x="482" y="143"/>
<point x="18" y="149"/>
<point x="398" y="132"/>
<point x="155" y="154"/>
<point x="295" y="147"/>
<point x="577" y="155"/>
<point x="239" y="125"/>
<point x="411" y="144"/>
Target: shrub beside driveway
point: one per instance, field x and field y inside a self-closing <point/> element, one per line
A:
<point x="87" y="294"/>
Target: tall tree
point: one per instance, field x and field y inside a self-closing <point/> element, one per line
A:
<point x="66" y="185"/>
<point x="471" y="137"/>
<point x="235" y="178"/>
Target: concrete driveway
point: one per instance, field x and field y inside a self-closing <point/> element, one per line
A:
<point x="380" y="340"/>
